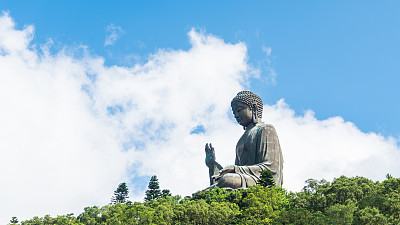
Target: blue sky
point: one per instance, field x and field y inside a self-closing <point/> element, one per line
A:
<point x="123" y="85"/>
<point x="334" y="57"/>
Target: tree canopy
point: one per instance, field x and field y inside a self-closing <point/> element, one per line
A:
<point x="355" y="200"/>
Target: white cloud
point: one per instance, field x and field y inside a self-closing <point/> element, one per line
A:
<point x="56" y="155"/>
<point x="329" y="148"/>
<point x="67" y="122"/>
<point x="267" y="50"/>
<point x="271" y="74"/>
<point x="71" y="128"/>
<point x="113" y="33"/>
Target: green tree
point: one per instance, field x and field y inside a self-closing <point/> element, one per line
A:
<point x="370" y="216"/>
<point x="90" y="216"/>
<point x="14" y="220"/>
<point x="341" y="214"/>
<point x="121" y="194"/>
<point x="266" y="179"/>
<point x="153" y="192"/>
<point x="165" y="193"/>
<point x="261" y="205"/>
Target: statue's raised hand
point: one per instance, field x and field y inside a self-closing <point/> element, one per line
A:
<point x="210" y="155"/>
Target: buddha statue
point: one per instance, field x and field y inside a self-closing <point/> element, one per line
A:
<point x="257" y="150"/>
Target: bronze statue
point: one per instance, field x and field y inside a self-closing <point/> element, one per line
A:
<point x="257" y="150"/>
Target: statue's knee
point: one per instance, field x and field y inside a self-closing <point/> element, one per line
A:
<point x="230" y="180"/>
<point x="224" y="179"/>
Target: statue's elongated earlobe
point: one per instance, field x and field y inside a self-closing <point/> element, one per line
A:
<point x="254" y="109"/>
<point x="255" y="120"/>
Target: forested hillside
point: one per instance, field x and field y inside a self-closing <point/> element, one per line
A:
<point x="355" y="200"/>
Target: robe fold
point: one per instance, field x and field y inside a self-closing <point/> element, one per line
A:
<point x="257" y="150"/>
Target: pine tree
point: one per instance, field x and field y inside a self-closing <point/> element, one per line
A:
<point x="153" y="192"/>
<point x="14" y="220"/>
<point x="266" y="179"/>
<point x="121" y="194"/>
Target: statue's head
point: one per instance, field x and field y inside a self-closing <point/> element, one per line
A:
<point x="247" y="100"/>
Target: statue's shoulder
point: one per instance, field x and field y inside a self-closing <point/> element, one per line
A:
<point x="266" y="126"/>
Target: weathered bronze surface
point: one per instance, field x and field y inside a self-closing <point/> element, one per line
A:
<point x="257" y="150"/>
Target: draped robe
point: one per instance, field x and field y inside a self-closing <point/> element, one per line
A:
<point x="257" y="150"/>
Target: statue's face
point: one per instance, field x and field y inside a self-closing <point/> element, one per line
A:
<point x="243" y="114"/>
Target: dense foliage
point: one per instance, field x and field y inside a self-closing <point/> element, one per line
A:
<point x="354" y="200"/>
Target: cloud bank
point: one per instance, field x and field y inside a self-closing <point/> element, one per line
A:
<point x="325" y="149"/>
<point x="72" y="129"/>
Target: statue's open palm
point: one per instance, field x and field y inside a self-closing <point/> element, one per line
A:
<point x="210" y="155"/>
